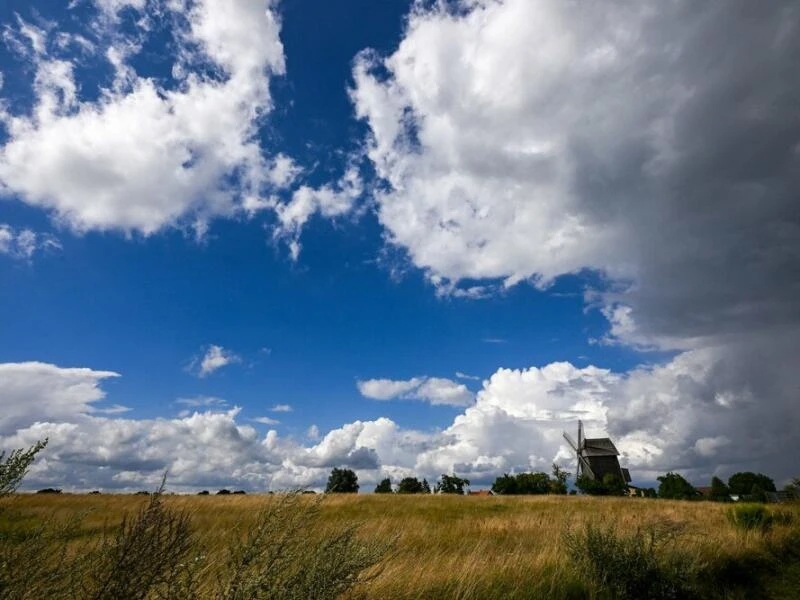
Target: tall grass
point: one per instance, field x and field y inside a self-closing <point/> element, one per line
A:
<point x="444" y="547"/>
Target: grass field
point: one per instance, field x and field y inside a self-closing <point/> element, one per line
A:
<point x="475" y="547"/>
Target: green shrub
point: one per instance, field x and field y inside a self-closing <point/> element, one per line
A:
<point x="642" y="564"/>
<point x="751" y="517"/>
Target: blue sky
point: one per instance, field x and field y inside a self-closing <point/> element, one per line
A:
<point x="437" y="243"/>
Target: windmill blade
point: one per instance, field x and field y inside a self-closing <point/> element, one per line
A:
<point x="570" y="441"/>
<point x="587" y="470"/>
<point x="580" y="433"/>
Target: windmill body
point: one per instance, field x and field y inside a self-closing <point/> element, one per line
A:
<point x="596" y="457"/>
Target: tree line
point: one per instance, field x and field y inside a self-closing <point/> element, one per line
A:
<point x="745" y="485"/>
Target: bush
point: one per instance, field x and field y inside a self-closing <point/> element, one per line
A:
<point x="751" y="517"/>
<point x="49" y="491"/>
<point x="643" y="564"/>
<point x="145" y="556"/>
<point x="286" y="555"/>
<point x="14" y="466"/>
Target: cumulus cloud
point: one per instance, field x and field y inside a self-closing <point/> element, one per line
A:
<point x="514" y="425"/>
<point x="435" y="390"/>
<point x="33" y="391"/>
<point x="201" y="449"/>
<point x="281" y="408"/>
<point x="145" y="155"/>
<point x="656" y="146"/>
<point x="22" y="244"/>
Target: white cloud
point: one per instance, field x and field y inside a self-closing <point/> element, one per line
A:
<point x="265" y="421"/>
<point x="281" y="408"/>
<point x="511" y="144"/>
<point x="387" y="389"/>
<point x="33" y="391"/>
<point x="436" y="390"/>
<point x="23" y="243"/>
<point x="142" y="157"/>
<point x="214" y="359"/>
<point x="461" y="375"/>
<point x="329" y="201"/>
<point x="202" y="402"/>
<point x="113" y="7"/>
<point x="523" y="141"/>
<point x="661" y="418"/>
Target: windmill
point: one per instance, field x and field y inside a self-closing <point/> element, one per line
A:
<point x="597" y="457"/>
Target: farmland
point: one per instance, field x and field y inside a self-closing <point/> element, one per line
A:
<point x="470" y="547"/>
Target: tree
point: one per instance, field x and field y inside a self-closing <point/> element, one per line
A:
<point x="558" y="485"/>
<point x="451" y="484"/>
<point x="533" y="483"/>
<point x="342" y="481"/>
<point x="14" y="467"/>
<point x="751" y="485"/>
<point x="426" y="488"/>
<point x="410" y="485"/>
<point x="384" y="487"/>
<point x="609" y="486"/>
<point x="673" y="486"/>
<point x="506" y="484"/>
<point x="719" y="491"/>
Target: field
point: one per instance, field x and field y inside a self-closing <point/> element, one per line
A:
<point x="475" y="547"/>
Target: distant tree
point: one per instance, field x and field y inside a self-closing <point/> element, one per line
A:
<point x="49" y="491"/>
<point x="451" y="484"/>
<point x="240" y="492"/>
<point x="14" y="466"/>
<point x="751" y="485"/>
<point x="609" y="486"/>
<point x="793" y="486"/>
<point x="203" y="493"/>
<point x="650" y="493"/>
<point x="558" y="485"/>
<point x="384" y="487"/>
<point x="719" y="491"/>
<point x="673" y="486"/>
<point x="533" y="483"/>
<point x="410" y="485"/>
<point x="505" y="485"/>
<point x="342" y="481"/>
<point x="223" y="492"/>
<point x="426" y="488"/>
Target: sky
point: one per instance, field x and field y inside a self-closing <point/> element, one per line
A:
<point x="244" y="242"/>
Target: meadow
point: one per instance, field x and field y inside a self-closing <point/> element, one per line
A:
<point x="466" y="547"/>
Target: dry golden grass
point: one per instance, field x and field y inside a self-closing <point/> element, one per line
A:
<point x="446" y="546"/>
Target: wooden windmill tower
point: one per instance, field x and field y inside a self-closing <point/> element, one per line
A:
<point x="597" y="457"/>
